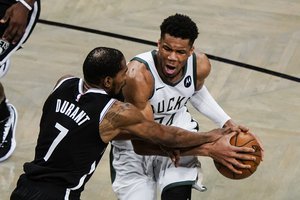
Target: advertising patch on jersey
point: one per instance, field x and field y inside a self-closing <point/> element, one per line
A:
<point x="3" y="46"/>
<point x="187" y="81"/>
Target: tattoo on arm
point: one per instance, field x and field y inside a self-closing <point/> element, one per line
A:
<point x="114" y="116"/>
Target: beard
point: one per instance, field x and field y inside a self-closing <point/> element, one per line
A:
<point x="118" y="96"/>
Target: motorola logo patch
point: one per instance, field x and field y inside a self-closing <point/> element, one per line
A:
<point x="187" y="81"/>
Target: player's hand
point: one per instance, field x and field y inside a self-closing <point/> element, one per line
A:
<point x="175" y="157"/>
<point x="244" y="129"/>
<point x="225" y="153"/>
<point x="216" y="134"/>
<point x="260" y="145"/>
<point x="230" y="123"/>
<point x="16" y="16"/>
<point x="173" y="154"/>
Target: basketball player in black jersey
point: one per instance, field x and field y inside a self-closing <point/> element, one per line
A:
<point x="17" y="20"/>
<point x="81" y="116"/>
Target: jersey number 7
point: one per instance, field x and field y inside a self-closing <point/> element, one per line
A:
<point x="63" y="132"/>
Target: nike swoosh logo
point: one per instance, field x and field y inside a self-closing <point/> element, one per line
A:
<point x="159" y="88"/>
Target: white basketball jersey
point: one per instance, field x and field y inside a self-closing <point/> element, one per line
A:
<point x="144" y="173"/>
<point x="169" y="100"/>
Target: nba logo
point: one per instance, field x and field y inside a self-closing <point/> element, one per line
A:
<point x="3" y="46"/>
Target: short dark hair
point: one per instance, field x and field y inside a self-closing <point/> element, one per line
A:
<point x="181" y="26"/>
<point x="102" y="62"/>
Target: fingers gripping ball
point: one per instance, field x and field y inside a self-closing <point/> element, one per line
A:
<point x="242" y="140"/>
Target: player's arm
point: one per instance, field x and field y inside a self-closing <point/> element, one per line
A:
<point x="219" y="153"/>
<point x="202" y="99"/>
<point x="138" y="90"/>
<point x="16" y="16"/>
<point x="139" y="87"/>
<point x="206" y="104"/>
<point x="124" y="118"/>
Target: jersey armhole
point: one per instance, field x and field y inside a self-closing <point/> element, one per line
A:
<point x="106" y="108"/>
<point x="195" y="70"/>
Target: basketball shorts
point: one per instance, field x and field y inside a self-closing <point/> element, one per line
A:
<point x="28" y="189"/>
<point x="139" y="177"/>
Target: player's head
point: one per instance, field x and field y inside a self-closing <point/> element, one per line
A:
<point x="175" y="46"/>
<point x="179" y="26"/>
<point x="106" y="68"/>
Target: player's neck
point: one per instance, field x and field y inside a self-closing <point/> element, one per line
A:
<point x="87" y="86"/>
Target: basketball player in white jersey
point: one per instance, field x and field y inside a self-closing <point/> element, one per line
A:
<point x="17" y="20"/>
<point x="160" y="83"/>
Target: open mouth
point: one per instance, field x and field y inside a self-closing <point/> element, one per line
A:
<point x="170" y="69"/>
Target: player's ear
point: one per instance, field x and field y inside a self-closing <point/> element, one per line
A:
<point x="191" y="50"/>
<point x="158" y="43"/>
<point x="107" y="82"/>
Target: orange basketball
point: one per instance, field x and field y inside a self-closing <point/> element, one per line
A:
<point x="240" y="140"/>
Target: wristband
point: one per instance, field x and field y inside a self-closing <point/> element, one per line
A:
<point x="25" y="4"/>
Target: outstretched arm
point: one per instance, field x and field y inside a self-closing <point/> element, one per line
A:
<point x="219" y="150"/>
<point x="222" y="152"/>
<point x="124" y="118"/>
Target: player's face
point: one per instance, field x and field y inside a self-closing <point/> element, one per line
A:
<point x="172" y="56"/>
<point x="119" y="80"/>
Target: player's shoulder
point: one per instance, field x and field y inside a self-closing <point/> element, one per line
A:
<point x="136" y="65"/>
<point x="138" y="71"/>
<point x="201" y="57"/>
<point x="62" y="80"/>
<point x="203" y="63"/>
<point x="143" y="60"/>
<point x="203" y="67"/>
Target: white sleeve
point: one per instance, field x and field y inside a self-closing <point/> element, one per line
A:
<point x="207" y="105"/>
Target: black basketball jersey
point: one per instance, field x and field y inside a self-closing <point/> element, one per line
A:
<point x="69" y="146"/>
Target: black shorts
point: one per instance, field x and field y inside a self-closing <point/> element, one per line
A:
<point x="6" y="49"/>
<point x="31" y="190"/>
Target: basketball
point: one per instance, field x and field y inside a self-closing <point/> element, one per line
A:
<point x="242" y="140"/>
